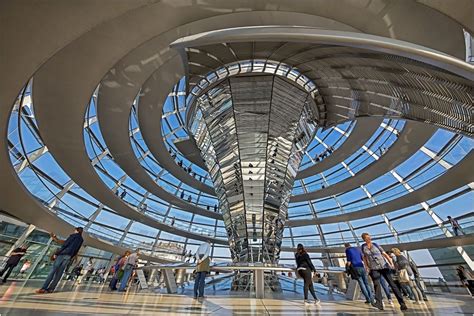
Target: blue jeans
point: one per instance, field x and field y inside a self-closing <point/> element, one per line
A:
<point x="385" y="288"/>
<point x="56" y="272"/>
<point x="199" y="283"/>
<point x="364" y="283"/>
<point x="127" y="273"/>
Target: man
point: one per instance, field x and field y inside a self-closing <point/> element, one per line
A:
<point x="355" y="261"/>
<point x="202" y="268"/>
<point x="12" y="262"/>
<point x="66" y="254"/>
<point x="466" y="279"/>
<point x="374" y="260"/>
<point x="189" y="256"/>
<point x="88" y="269"/>
<point x="455" y="225"/>
<point x="128" y="266"/>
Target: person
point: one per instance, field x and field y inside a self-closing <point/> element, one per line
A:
<point x="355" y="263"/>
<point x="101" y="274"/>
<point x="466" y="279"/>
<point x="76" y="272"/>
<point x="455" y="225"/>
<point x="386" y="290"/>
<point x="89" y="269"/>
<point x="189" y="256"/>
<point x="12" y="262"/>
<point x="117" y="271"/>
<point x="395" y="277"/>
<point x="304" y="267"/>
<point x="202" y="268"/>
<point x="374" y="260"/>
<point x="405" y="276"/>
<point x="123" y="194"/>
<point x="127" y="268"/>
<point x="417" y="277"/>
<point x="67" y="253"/>
<point x="26" y="265"/>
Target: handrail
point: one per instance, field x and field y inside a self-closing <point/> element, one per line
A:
<point x="404" y="236"/>
<point x="240" y="266"/>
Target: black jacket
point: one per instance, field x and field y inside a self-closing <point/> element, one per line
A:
<point x="304" y="261"/>
<point x="71" y="246"/>
<point x="14" y="259"/>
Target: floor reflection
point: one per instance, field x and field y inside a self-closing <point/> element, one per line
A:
<point x="18" y="298"/>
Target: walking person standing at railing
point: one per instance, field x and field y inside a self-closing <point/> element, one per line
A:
<point x="355" y="262"/>
<point x="374" y="260"/>
<point x="455" y="225"/>
<point x="304" y="267"/>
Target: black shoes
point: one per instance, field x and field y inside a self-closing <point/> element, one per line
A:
<point x="403" y="307"/>
<point x="378" y="306"/>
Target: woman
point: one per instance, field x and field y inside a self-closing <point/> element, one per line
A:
<point x="118" y="271"/>
<point x="304" y="267"/>
<point x="405" y="276"/>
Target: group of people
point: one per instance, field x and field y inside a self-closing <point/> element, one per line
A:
<point x="79" y="273"/>
<point x="388" y="271"/>
<point x="122" y="270"/>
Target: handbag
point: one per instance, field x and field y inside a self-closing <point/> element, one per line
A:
<point x="403" y="276"/>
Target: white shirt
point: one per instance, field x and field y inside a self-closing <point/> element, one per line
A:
<point x="204" y="250"/>
<point x="132" y="259"/>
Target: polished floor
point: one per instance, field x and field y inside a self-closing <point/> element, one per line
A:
<point x="18" y="298"/>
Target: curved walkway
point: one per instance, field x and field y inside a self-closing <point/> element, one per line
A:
<point x="457" y="176"/>
<point x="413" y="136"/>
<point x="116" y="95"/>
<point x="363" y="130"/>
<point x="113" y="109"/>
<point x="414" y="245"/>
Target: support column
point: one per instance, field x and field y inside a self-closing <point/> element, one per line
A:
<point x="39" y="258"/>
<point x="259" y="280"/>
<point x="59" y="196"/>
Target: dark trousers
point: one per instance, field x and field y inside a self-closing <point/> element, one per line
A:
<point x="8" y="269"/>
<point x="376" y="275"/>
<point x="199" y="284"/>
<point x="470" y="286"/>
<point x="308" y="283"/>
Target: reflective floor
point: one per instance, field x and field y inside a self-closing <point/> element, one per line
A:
<point x="18" y="298"/>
